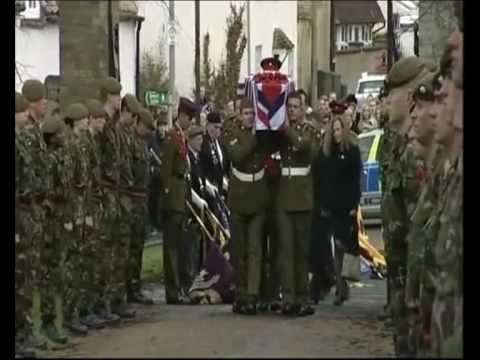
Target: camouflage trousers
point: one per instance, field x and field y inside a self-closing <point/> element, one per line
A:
<point x="28" y="247"/>
<point x="137" y="241"/>
<point x="447" y="326"/>
<point x="53" y="274"/>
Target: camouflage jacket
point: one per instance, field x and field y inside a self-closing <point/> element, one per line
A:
<point x="126" y="144"/>
<point x="110" y="155"/>
<point x="384" y="157"/>
<point x="140" y="165"/>
<point x="427" y="202"/>
<point x="405" y="176"/>
<point x="79" y="150"/>
<point x="448" y="250"/>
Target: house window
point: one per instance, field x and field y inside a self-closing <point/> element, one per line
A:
<point x="31" y="3"/>
<point x="356" y="34"/>
<point x="32" y="9"/>
<point x="363" y="33"/>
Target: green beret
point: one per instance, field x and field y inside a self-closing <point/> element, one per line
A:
<point x="110" y="86"/>
<point x="194" y="130"/>
<point x="146" y="118"/>
<point x="21" y="104"/>
<point x="424" y="90"/>
<point x="76" y="111"/>
<point x="132" y="103"/>
<point x="33" y="90"/>
<point x="95" y="108"/>
<point x="404" y="71"/>
<point x="52" y="125"/>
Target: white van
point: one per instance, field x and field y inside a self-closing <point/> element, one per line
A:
<point x="368" y="85"/>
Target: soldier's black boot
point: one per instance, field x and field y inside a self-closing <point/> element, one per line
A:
<point x="263" y="306"/>
<point x="52" y="334"/>
<point x="289" y="309"/>
<point x="136" y="297"/>
<point x="251" y="308"/>
<point x="76" y="327"/>
<point x="108" y="317"/>
<point x="92" y="321"/>
<point x="122" y="310"/>
<point x="237" y="306"/>
<point x="305" y="310"/>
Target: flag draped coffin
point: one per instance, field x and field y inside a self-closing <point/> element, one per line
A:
<point x="268" y="91"/>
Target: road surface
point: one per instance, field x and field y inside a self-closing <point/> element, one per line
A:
<point x="161" y="330"/>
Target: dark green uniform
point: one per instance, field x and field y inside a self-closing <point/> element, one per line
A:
<point x="174" y="173"/>
<point x="247" y="182"/>
<point x="293" y="210"/>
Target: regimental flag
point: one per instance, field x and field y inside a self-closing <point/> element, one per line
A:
<point x="269" y="91"/>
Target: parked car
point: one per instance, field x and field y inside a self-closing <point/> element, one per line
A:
<point x="370" y="148"/>
<point x="368" y="85"/>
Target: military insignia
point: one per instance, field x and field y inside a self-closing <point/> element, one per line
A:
<point x="297" y="127"/>
<point x="233" y="142"/>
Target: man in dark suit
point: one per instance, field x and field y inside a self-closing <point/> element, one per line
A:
<point x="214" y="155"/>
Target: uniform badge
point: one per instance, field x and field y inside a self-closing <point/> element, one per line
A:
<point x="233" y="142"/>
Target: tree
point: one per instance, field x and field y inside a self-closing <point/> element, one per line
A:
<point x="207" y="71"/>
<point x="153" y="72"/>
<point x="226" y="78"/>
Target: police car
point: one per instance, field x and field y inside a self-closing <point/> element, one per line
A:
<point x="370" y="147"/>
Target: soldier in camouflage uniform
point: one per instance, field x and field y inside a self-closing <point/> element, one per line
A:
<point x="22" y="300"/>
<point x="55" y="251"/>
<point x="402" y="189"/>
<point x="32" y="187"/>
<point x="82" y="247"/>
<point x="143" y="128"/>
<point x="423" y="120"/>
<point x="447" y="311"/>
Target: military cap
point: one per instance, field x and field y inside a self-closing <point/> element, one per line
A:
<point x="246" y="103"/>
<point x="21" y="104"/>
<point x="424" y="90"/>
<point x="194" y="130"/>
<point x="33" y="90"/>
<point x="146" y="118"/>
<point x="110" y="86"/>
<point x="337" y="108"/>
<point x="52" y="125"/>
<point x="187" y="107"/>
<point x="438" y="79"/>
<point x="214" y="118"/>
<point x="132" y="103"/>
<point x="404" y="71"/>
<point x="95" y="108"/>
<point x="271" y="63"/>
<point x="76" y="111"/>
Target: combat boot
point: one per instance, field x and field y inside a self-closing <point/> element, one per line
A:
<point x="52" y="334"/>
<point x="108" y="317"/>
<point x="305" y="310"/>
<point x="123" y="311"/>
<point x="289" y="309"/>
<point x="76" y="328"/>
<point x="138" y="298"/>
<point x="92" y="321"/>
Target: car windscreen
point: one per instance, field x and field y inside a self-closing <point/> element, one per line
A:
<point x="365" y="143"/>
<point x="368" y="87"/>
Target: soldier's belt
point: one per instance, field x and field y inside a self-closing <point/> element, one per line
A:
<point x="245" y="177"/>
<point x="296" y="171"/>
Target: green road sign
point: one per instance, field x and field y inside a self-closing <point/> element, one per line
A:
<point x="155" y="98"/>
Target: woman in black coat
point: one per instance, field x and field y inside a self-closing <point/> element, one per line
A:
<point x="343" y="196"/>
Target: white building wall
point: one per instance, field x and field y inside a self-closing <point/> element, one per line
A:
<point x="127" y="39"/>
<point x="265" y="15"/>
<point x="36" y="53"/>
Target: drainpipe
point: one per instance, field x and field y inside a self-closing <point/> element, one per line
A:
<point x="137" y="58"/>
<point x="313" y="74"/>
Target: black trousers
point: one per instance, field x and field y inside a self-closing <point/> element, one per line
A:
<point x="321" y="256"/>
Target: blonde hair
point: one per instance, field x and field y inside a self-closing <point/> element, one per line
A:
<point x="347" y="139"/>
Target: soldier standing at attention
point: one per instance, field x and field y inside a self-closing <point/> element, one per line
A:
<point x="125" y="141"/>
<point x="144" y="127"/>
<point x="54" y="257"/>
<point x="294" y="205"/>
<point x="174" y="174"/>
<point x="248" y="217"/>
<point x="423" y="120"/>
<point x="402" y="189"/>
<point x="22" y="300"/>
<point x="110" y="165"/>
<point x="34" y="183"/>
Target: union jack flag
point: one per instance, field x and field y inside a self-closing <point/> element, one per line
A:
<point x="269" y="91"/>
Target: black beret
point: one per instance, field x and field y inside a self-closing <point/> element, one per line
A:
<point x="187" y="107"/>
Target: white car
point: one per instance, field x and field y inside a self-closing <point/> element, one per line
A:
<point x="368" y="85"/>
